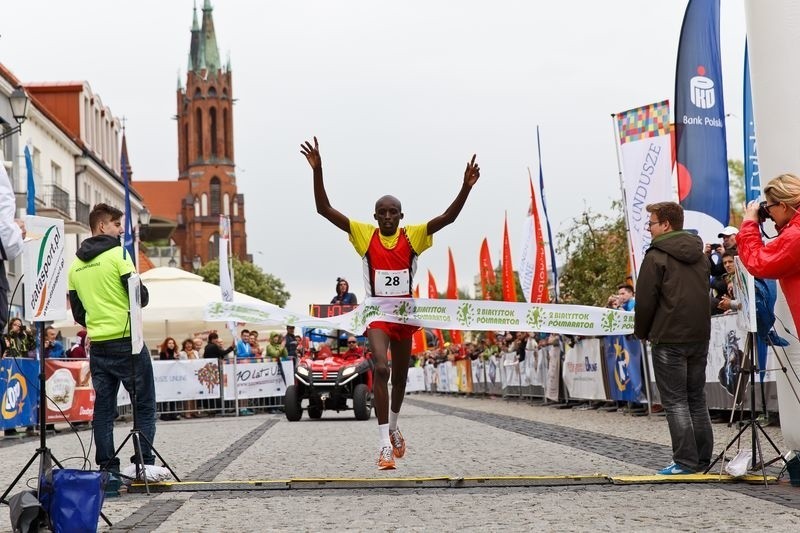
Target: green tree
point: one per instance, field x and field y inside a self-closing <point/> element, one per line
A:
<point x="251" y="280"/>
<point x="736" y="188"/>
<point x="495" y="289"/>
<point x="596" y="249"/>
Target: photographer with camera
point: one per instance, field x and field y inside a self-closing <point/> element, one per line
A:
<point x="728" y="246"/>
<point x="780" y="258"/>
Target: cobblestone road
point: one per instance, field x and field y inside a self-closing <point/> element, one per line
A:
<point x="447" y="436"/>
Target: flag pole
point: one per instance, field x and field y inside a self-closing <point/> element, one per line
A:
<point x="631" y="257"/>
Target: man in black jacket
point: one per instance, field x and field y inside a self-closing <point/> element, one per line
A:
<point x="672" y="312"/>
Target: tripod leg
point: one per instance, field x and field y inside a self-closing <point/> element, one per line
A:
<point x="19" y="476"/>
<point x="728" y="447"/>
<point x="163" y="462"/>
<point x="140" y="474"/>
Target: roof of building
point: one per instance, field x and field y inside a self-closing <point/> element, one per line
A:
<point x="144" y="262"/>
<point x="162" y="198"/>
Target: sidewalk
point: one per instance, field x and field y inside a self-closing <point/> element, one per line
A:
<point x="447" y="436"/>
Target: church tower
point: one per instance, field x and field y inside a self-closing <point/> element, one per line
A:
<point x="205" y="150"/>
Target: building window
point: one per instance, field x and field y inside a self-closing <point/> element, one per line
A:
<point x="213" y="118"/>
<point x="204" y="205"/>
<point x="55" y="173"/>
<point x="185" y="147"/>
<point x="225" y="135"/>
<point x="196" y="206"/>
<point x="226" y="205"/>
<point x="215" y="192"/>
<point x="213" y="247"/>
<point x="235" y="207"/>
<point x="212" y="92"/>
<point x="199" y="130"/>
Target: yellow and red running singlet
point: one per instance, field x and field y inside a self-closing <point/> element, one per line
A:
<point x="389" y="262"/>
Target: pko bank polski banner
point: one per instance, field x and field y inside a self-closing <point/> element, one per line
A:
<point x="645" y="150"/>
<point x="45" y="276"/>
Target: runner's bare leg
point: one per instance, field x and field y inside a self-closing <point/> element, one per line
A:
<point x="401" y="355"/>
<point x="379" y="343"/>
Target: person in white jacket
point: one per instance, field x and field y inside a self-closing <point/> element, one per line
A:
<point x="12" y="233"/>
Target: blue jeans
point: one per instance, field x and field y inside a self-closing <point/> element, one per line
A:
<point x="680" y="371"/>
<point x="110" y="363"/>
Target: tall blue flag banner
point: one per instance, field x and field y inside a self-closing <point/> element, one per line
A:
<point x="547" y="220"/>
<point x="128" y="246"/>
<point x="31" y="210"/>
<point x="702" y="157"/>
<point x="752" y="179"/>
<point x="623" y="358"/>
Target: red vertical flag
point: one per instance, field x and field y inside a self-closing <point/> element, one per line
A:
<point x="434" y="294"/>
<point x="418" y="344"/>
<point x="452" y="292"/>
<point x="539" y="294"/>
<point x="486" y="270"/>
<point x="509" y="286"/>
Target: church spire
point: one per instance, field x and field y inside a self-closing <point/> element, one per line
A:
<point x="209" y="40"/>
<point x="125" y="162"/>
<point x="194" y="47"/>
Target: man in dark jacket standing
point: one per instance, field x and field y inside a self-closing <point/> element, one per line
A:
<point x="672" y="312"/>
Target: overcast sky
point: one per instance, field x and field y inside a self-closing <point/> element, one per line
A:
<point x="400" y="95"/>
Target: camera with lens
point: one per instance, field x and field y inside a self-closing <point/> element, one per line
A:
<point x="763" y="213"/>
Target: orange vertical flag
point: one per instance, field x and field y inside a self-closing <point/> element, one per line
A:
<point x="434" y="294"/>
<point x="486" y="270"/>
<point x="509" y="285"/>
<point x="539" y="293"/>
<point x="452" y="292"/>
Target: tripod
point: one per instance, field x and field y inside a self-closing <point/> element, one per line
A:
<point x="750" y="365"/>
<point x="136" y="435"/>
<point x="43" y="453"/>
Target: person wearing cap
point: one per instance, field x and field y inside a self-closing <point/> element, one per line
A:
<point x="290" y="342"/>
<point x="728" y="236"/>
<point x="389" y="255"/>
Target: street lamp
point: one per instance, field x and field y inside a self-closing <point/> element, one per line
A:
<point x="144" y="216"/>
<point x="172" y="263"/>
<point x="197" y="263"/>
<point x="19" y="110"/>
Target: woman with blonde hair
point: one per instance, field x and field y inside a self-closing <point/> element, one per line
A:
<point x="779" y="258"/>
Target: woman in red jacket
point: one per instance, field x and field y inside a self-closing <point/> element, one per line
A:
<point x="780" y="258"/>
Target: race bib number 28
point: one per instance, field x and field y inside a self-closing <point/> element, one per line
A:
<point x="392" y="282"/>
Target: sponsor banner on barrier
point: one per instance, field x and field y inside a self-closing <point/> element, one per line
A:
<point x="537" y="360"/>
<point x="415" y="382"/>
<point x="583" y="372"/>
<point x="18" y="392"/>
<point x="189" y="379"/>
<point x="464" y="375"/>
<point x="442" y="314"/>
<point x="623" y="356"/>
<point x="257" y="380"/>
<point x="70" y="396"/>
<point x="553" y="371"/>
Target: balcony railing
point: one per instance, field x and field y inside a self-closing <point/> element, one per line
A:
<point x="82" y="212"/>
<point x="57" y="198"/>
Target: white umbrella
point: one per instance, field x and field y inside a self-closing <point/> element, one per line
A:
<point x="177" y="306"/>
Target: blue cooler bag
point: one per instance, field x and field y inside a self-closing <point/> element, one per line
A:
<point x="73" y="499"/>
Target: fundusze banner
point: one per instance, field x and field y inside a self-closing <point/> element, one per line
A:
<point x="442" y="314"/>
<point x="45" y="277"/>
<point x="645" y="149"/>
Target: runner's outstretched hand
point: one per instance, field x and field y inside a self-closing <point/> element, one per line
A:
<point x="471" y="174"/>
<point x="312" y="154"/>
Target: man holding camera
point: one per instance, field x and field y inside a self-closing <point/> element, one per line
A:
<point x="672" y="312"/>
<point x="728" y="246"/>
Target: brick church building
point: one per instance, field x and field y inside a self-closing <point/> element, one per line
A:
<point x="184" y="228"/>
